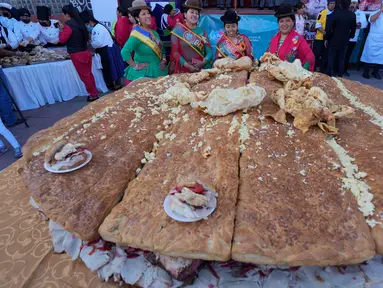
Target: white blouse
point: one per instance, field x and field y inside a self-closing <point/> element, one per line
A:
<point x="101" y="37"/>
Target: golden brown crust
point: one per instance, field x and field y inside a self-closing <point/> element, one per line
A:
<point x="262" y="79"/>
<point x="297" y="224"/>
<point x="363" y="140"/>
<point x="285" y="212"/>
<point x="132" y="223"/>
<point x="80" y="200"/>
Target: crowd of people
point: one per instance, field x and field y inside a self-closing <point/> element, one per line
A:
<point x="133" y="48"/>
<point x="338" y="30"/>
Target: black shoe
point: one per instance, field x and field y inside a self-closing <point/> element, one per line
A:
<point x="18" y="122"/>
<point x="376" y="75"/>
<point x="91" y="99"/>
<point x="346" y="74"/>
<point x="366" y="76"/>
<point x="116" y="87"/>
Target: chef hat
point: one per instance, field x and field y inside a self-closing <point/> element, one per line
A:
<point x="24" y="12"/>
<point x="5" y="6"/>
<point x="43" y="13"/>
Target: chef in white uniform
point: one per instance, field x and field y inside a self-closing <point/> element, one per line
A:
<point x="373" y="49"/>
<point x="7" y="39"/>
<point x="6" y="19"/>
<point x="49" y="29"/>
<point x="361" y="23"/>
<point x="26" y="31"/>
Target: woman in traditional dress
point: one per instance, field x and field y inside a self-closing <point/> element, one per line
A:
<point x="288" y="45"/>
<point x="123" y="26"/>
<point x="149" y="54"/>
<point x="101" y="40"/>
<point x="75" y="35"/>
<point x="191" y="50"/>
<point x="232" y="44"/>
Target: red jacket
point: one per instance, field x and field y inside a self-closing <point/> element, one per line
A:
<point x="172" y="21"/>
<point x="153" y="26"/>
<point x="294" y="47"/>
<point x="122" y="30"/>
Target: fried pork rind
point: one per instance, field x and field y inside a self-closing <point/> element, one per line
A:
<point x="179" y="93"/>
<point x="309" y="107"/>
<point x="282" y="70"/>
<point x="221" y="102"/>
<point x="307" y="104"/>
<point x="287" y="71"/>
<point x="243" y="63"/>
<point x="269" y="58"/>
<point x="195" y="78"/>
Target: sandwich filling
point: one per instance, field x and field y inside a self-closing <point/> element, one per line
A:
<point x="65" y="155"/>
<point x="193" y="201"/>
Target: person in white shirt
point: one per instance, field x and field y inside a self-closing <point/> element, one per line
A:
<point x="361" y="23"/>
<point x="6" y="19"/>
<point x="49" y="28"/>
<point x="27" y="32"/>
<point x="300" y="19"/>
<point x="7" y="39"/>
<point x="101" y="40"/>
<point x="373" y="49"/>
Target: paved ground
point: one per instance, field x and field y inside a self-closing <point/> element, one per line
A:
<point x="46" y="116"/>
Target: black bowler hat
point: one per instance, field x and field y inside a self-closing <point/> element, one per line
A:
<point x="230" y="17"/>
<point x="284" y="10"/>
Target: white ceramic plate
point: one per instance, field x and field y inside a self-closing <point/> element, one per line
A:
<point x="181" y="218"/>
<point x="88" y="158"/>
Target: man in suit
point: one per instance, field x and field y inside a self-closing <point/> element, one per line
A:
<point x="338" y="33"/>
<point x="361" y="23"/>
<point x="320" y="50"/>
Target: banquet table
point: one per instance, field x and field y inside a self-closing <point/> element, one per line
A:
<point x="37" y="85"/>
<point x="26" y="255"/>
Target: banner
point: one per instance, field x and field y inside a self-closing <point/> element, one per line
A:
<point x="105" y="11"/>
<point x="259" y="28"/>
<point x="81" y="5"/>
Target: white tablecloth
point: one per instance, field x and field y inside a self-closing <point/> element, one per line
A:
<point x="34" y="86"/>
